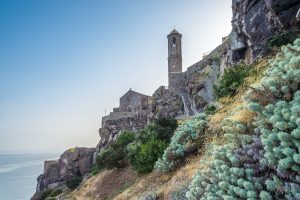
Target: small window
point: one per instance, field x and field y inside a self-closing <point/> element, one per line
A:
<point x="129" y="109"/>
<point x="174" y="42"/>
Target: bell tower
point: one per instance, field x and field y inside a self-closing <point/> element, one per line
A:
<point x="174" y="57"/>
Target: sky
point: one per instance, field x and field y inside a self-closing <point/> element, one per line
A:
<point x="63" y="63"/>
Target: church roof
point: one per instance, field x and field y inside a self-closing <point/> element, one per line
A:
<point x="133" y="92"/>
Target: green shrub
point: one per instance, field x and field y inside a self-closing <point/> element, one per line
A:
<point x="148" y="155"/>
<point x="210" y="109"/>
<point x="115" y="155"/>
<point x="182" y="143"/>
<point x="95" y="170"/>
<point x="110" y="158"/>
<point x="145" y="150"/>
<point x="141" y="148"/>
<point x="124" y="139"/>
<point x="231" y="80"/>
<point x="50" y="198"/>
<point x="164" y="127"/>
<point x="74" y="182"/>
<point x="56" y="192"/>
<point x="283" y="38"/>
<point x="45" y="193"/>
<point x="149" y="144"/>
<point x="145" y="135"/>
<point x="132" y="151"/>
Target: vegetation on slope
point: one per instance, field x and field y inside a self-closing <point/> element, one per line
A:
<point x="248" y="149"/>
<point x="231" y="80"/>
<point x="141" y="149"/>
<point x="246" y="163"/>
<point x="182" y="143"/>
<point x="264" y="164"/>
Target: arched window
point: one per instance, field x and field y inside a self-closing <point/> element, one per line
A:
<point x="129" y="109"/>
<point x="174" y="42"/>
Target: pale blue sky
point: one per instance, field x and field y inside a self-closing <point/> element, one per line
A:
<point x="62" y="63"/>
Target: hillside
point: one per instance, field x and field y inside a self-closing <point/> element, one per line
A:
<point x="227" y="128"/>
<point x="232" y="149"/>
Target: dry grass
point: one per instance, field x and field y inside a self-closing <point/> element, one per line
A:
<point x="162" y="183"/>
<point x="105" y="185"/>
<point x="244" y="116"/>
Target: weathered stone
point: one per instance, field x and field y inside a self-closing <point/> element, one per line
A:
<point x="174" y="58"/>
<point x="133" y="102"/>
<point x="254" y="21"/>
<point x="166" y="104"/>
<point x="73" y="162"/>
<point x="50" y="175"/>
<point x="115" y="123"/>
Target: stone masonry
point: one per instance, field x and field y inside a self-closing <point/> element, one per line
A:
<point x="133" y="114"/>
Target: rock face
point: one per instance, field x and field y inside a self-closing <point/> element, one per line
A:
<point x="50" y="175"/>
<point x="115" y="123"/>
<point x="201" y="77"/>
<point x="166" y="104"/>
<point x="254" y="21"/>
<point x="73" y="162"/>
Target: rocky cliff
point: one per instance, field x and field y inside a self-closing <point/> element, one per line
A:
<point x="254" y="21"/>
<point x="72" y="163"/>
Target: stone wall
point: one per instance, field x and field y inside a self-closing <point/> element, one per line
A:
<point x="133" y="102"/>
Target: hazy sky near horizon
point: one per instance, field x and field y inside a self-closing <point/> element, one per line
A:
<point x="62" y="63"/>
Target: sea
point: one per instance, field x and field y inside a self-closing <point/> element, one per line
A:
<point x="18" y="174"/>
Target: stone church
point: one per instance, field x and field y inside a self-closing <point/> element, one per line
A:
<point x="133" y="101"/>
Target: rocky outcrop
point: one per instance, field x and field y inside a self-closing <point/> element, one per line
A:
<point x="115" y="123"/>
<point x="201" y="77"/>
<point x="73" y="162"/>
<point x="254" y="21"/>
<point x="50" y="178"/>
<point x="166" y="103"/>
